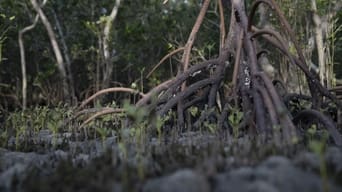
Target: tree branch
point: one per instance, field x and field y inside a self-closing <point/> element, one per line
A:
<point x="56" y="49"/>
<point x="23" y="59"/>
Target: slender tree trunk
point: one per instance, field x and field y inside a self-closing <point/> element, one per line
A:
<point x="67" y="58"/>
<point x="22" y="57"/>
<point x="108" y="69"/>
<point x="319" y="43"/>
<point x="56" y="49"/>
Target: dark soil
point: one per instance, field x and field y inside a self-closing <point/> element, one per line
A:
<point x="191" y="160"/>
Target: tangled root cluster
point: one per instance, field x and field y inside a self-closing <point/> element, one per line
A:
<point x="252" y="101"/>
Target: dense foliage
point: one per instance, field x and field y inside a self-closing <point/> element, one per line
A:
<point x="143" y="32"/>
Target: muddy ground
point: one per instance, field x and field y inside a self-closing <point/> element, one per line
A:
<point x="192" y="161"/>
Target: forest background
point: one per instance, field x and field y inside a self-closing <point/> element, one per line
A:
<point x="95" y="54"/>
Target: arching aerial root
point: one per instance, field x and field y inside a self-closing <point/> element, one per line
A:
<point x="251" y="104"/>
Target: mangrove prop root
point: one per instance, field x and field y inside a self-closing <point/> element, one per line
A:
<point x="311" y="114"/>
<point x="252" y="92"/>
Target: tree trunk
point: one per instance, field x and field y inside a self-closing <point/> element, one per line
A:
<point x="67" y="59"/>
<point x="22" y="57"/>
<point x="108" y="68"/>
<point x="56" y="49"/>
<point x="319" y="43"/>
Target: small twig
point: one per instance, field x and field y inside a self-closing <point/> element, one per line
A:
<point x="222" y="26"/>
<point x="163" y="59"/>
<point x="113" y="89"/>
<point x="100" y="113"/>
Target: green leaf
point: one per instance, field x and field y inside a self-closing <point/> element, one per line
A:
<point x="193" y="111"/>
<point x="51" y="125"/>
<point x="312" y="130"/>
<point x="317" y="146"/>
